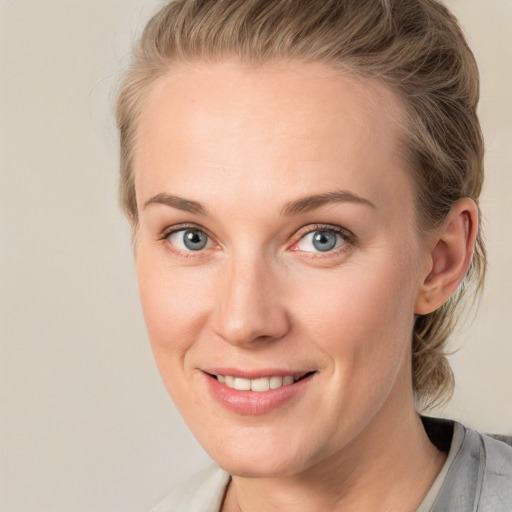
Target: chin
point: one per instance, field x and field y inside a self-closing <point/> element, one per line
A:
<point x="260" y="457"/>
<point x="272" y="466"/>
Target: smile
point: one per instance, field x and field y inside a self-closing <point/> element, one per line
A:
<point x="259" y="385"/>
<point x="256" y="394"/>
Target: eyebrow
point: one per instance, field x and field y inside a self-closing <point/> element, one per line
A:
<point x="187" y="205"/>
<point x="309" y="203"/>
<point x="302" y="205"/>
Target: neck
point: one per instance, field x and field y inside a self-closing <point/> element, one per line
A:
<point x="390" y="466"/>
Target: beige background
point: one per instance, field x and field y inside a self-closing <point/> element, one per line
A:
<point x="85" y="424"/>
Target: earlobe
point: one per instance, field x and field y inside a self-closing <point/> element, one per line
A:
<point x="450" y="256"/>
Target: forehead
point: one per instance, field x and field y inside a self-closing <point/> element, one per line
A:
<point x="284" y="121"/>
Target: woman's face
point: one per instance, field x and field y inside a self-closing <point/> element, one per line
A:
<point x="277" y="243"/>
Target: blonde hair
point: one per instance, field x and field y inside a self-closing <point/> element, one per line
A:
<point x="416" y="46"/>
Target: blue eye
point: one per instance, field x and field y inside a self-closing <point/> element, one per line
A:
<point x="320" y="241"/>
<point x="189" y="239"/>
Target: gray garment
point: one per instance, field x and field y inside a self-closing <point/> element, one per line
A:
<point x="478" y="477"/>
<point x="453" y="447"/>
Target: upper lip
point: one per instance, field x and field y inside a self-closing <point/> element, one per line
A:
<point x="257" y="373"/>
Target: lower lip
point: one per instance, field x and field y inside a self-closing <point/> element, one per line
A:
<point x="255" y="402"/>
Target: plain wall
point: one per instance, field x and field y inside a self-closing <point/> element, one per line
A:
<point x="85" y="424"/>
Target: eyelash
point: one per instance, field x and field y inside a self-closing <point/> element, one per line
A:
<point x="164" y="237"/>
<point x="347" y="235"/>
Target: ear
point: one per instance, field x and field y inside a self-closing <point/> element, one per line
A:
<point x="451" y="250"/>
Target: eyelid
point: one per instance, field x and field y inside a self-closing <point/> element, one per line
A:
<point x="299" y="234"/>
<point x="310" y="228"/>
<point x="347" y="235"/>
<point x="169" y="230"/>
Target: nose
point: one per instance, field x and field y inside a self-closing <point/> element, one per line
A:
<point x="249" y="309"/>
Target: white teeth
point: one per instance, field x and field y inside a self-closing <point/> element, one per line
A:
<point x="276" y="382"/>
<point x="242" y="384"/>
<point x="262" y="384"/>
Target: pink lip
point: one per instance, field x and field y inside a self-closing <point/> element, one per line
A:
<point x="254" y="402"/>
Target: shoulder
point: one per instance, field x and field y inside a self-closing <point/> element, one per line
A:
<point x="496" y="491"/>
<point x="203" y="492"/>
<point x="480" y="476"/>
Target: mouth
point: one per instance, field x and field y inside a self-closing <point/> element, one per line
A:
<point x="260" y="384"/>
<point x="257" y="393"/>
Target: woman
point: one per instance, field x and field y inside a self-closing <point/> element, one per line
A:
<point x="302" y="180"/>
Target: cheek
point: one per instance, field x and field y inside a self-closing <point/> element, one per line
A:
<point x="362" y="324"/>
<point x="359" y="298"/>
<point x="175" y="304"/>
<point x="362" y="317"/>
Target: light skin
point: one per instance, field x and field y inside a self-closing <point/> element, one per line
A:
<point x="257" y="162"/>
